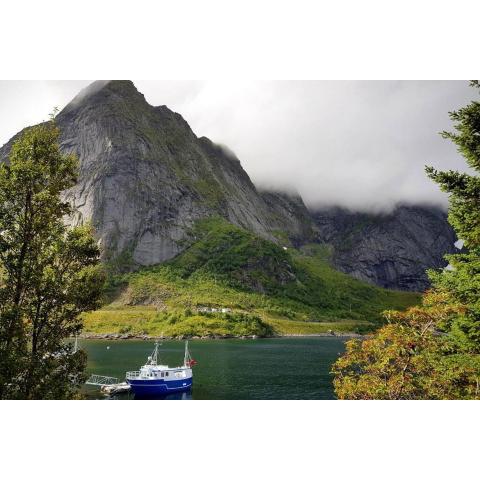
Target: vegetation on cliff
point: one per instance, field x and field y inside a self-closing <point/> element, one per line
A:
<point x="279" y="289"/>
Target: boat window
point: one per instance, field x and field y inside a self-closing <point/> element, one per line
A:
<point x="163" y="374"/>
<point x="166" y="374"/>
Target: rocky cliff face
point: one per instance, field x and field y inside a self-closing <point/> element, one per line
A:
<point x="393" y="250"/>
<point x="145" y="178"/>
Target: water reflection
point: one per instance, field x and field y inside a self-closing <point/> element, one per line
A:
<point x="132" y="396"/>
<point x="170" y="396"/>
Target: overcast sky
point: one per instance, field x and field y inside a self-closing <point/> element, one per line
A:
<point x="362" y="144"/>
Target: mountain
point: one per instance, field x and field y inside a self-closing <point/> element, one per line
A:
<point x="146" y="180"/>
<point x="145" y="177"/>
<point x="392" y="250"/>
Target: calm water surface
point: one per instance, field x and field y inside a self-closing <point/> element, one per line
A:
<point x="277" y="368"/>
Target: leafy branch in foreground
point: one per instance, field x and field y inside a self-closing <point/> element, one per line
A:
<point x="49" y="273"/>
<point x="409" y="359"/>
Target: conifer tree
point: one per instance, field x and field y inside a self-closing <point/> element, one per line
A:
<point x="462" y="281"/>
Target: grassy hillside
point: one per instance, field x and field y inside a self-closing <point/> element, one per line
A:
<point x="265" y="288"/>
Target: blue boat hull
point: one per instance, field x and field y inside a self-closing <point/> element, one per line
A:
<point x="159" y="386"/>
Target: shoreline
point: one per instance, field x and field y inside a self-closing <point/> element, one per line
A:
<point x="128" y="336"/>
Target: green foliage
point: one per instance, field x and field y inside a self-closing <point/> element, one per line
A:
<point x="210" y="190"/>
<point x="123" y="262"/>
<point x="328" y="290"/>
<point x="226" y="266"/>
<point x="464" y="189"/>
<point x="49" y="274"/>
<point x="462" y="285"/>
<point x="245" y="324"/>
<point x="234" y="256"/>
<point x="242" y="260"/>
<point x="407" y="359"/>
<point x="138" y="321"/>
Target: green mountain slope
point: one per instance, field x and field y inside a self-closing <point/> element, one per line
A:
<point x="262" y="287"/>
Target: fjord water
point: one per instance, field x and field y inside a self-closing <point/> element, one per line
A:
<point x="274" y="368"/>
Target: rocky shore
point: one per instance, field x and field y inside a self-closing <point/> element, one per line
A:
<point x="130" y="336"/>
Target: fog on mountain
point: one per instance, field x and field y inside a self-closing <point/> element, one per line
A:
<point x="146" y="178"/>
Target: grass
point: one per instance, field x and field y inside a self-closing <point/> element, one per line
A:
<point x="293" y="327"/>
<point x="175" y="323"/>
<point x="267" y="290"/>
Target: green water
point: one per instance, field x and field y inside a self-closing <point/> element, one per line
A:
<point x="277" y="368"/>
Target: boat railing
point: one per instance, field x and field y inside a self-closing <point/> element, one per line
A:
<point x="132" y="375"/>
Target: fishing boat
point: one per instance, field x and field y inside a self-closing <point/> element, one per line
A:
<point x="156" y="379"/>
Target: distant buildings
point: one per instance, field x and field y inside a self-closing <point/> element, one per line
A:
<point x="214" y="309"/>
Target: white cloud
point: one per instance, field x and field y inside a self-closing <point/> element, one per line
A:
<point x="362" y="145"/>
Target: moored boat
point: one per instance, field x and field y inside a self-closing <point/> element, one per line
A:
<point x="154" y="378"/>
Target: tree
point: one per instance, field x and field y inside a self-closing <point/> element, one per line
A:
<point x="408" y="359"/>
<point x="49" y="273"/>
<point x="432" y="351"/>
<point x="462" y="282"/>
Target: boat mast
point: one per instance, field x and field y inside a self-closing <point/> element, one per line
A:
<point x="187" y="355"/>
<point x="154" y="356"/>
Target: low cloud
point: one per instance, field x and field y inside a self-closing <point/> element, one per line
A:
<point x="361" y="145"/>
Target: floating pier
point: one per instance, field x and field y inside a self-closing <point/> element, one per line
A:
<point x="108" y="385"/>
